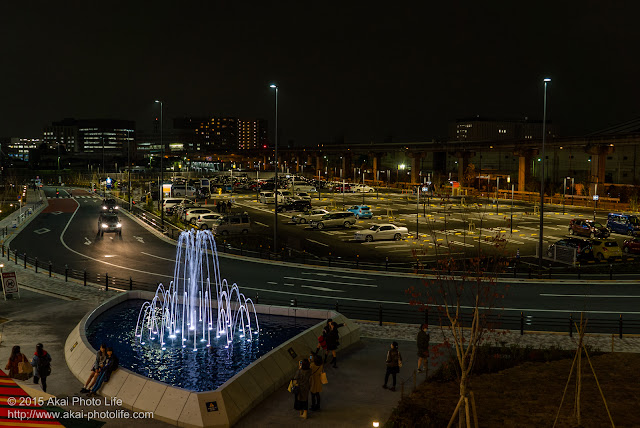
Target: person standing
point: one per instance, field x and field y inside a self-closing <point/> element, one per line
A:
<point x="41" y="363"/>
<point x="394" y="362"/>
<point x="15" y="359"/>
<point x="317" y="368"/>
<point x="423" y="348"/>
<point x="303" y="380"/>
<point x="229" y="205"/>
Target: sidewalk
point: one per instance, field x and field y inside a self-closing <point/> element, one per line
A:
<point x="12" y="224"/>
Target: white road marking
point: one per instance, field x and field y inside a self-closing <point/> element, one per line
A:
<point x="316" y="242"/>
<point x="157" y="257"/>
<point x="290" y="285"/>
<point x="261" y="224"/>
<point x="338" y="276"/>
<point x="139" y="239"/>
<point x="42" y="231"/>
<point x="87" y="241"/>
<point x="322" y="289"/>
<point x="331" y="282"/>
<point x="393" y="246"/>
<point x="461" y="243"/>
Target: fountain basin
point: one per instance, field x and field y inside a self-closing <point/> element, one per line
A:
<point x="214" y="408"/>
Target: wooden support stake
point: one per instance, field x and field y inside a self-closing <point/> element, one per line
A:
<point x="473" y="407"/>
<point x="466" y="411"/>
<point x="453" y="417"/>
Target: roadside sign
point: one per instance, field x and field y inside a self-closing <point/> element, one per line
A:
<point x="596" y="197"/>
<point x="9" y="284"/>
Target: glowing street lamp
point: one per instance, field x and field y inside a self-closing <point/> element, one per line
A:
<point x="544" y="135"/>
<point x="275" y="179"/>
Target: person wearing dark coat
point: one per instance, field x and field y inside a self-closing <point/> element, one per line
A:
<point x="41" y="363"/>
<point x="110" y="365"/>
<point x="394" y="362"/>
<point x="303" y="381"/>
<point x="423" y="347"/>
<point x="333" y="341"/>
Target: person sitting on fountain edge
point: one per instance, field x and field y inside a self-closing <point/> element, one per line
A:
<point x="110" y="365"/>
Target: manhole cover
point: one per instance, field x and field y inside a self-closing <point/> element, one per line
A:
<point x="41" y="231"/>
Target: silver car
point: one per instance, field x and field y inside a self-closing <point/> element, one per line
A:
<point x="335" y="219"/>
<point x="191" y="215"/>
<point x="205" y="221"/>
<point x="304" y="218"/>
<point x="379" y="232"/>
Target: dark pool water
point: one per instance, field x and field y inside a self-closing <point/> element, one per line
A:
<point x="202" y="370"/>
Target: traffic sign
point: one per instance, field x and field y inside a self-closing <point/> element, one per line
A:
<point x="596" y="197"/>
<point x="9" y="284"/>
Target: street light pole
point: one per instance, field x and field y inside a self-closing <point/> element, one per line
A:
<point x="129" y="167"/>
<point x="161" y="202"/>
<point x="275" y="179"/>
<point x="544" y="135"/>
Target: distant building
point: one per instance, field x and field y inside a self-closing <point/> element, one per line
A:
<point x="108" y="137"/>
<point x="484" y="129"/>
<point x="18" y="148"/>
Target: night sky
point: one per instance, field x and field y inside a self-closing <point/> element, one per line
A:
<point x="346" y="69"/>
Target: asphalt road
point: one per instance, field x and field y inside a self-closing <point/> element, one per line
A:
<point x="66" y="233"/>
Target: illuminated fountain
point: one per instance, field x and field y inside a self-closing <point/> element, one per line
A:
<point x="188" y="313"/>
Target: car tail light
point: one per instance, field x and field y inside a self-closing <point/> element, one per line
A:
<point x="604" y="249"/>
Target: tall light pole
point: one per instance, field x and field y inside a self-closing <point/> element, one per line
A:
<point x="161" y="203"/>
<point x="129" y="167"/>
<point x="544" y="136"/>
<point x="275" y="179"/>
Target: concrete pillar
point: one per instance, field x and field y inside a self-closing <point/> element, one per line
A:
<point x="319" y="164"/>
<point x="524" y="166"/>
<point x="309" y="160"/>
<point x="296" y="159"/>
<point x="347" y="168"/>
<point x="463" y="164"/>
<point x="265" y="159"/>
<point x="416" y="167"/>
<point x="599" y="155"/>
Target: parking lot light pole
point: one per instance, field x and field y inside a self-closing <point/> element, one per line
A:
<point x="275" y="179"/>
<point x="544" y="135"/>
<point x="161" y="203"/>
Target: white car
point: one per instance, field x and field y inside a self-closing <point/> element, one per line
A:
<point x="362" y="188"/>
<point x="378" y="232"/>
<point x="205" y="221"/>
<point x="304" y="218"/>
<point x="192" y="214"/>
<point x="303" y="195"/>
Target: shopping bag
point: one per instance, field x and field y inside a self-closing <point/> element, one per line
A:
<point x="323" y="378"/>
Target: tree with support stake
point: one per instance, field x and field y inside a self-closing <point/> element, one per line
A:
<point x="577" y="365"/>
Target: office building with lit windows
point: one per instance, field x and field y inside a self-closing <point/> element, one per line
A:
<point x="108" y="137"/>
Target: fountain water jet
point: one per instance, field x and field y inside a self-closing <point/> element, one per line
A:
<point x="184" y="312"/>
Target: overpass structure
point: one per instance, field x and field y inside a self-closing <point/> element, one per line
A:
<point x="594" y="162"/>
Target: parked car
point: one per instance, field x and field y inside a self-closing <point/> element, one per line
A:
<point x="304" y="218"/>
<point x="589" y="228"/>
<point x="361" y="211"/>
<point x="169" y="204"/>
<point x="342" y="188"/>
<point x="362" y="188"/>
<point x="295" y="205"/>
<point x="606" y="249"/>
<point x="303" y="195"/>
<point x="109" y="222"/>
<point x="334" y="219"/>
<point x="232" y="223"/>
<point x="109" y="204"/>
<point x="625" y="224"/>
<point x="185" y="205"/>
<point x="191" y="215"/>
<point x="379" y="232"/>
<point x="631" y="246"/>
<point x="584" y="248"/>
<point x="205" y="221"/>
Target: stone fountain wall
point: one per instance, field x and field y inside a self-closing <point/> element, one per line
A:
<point x="227" y="404"/>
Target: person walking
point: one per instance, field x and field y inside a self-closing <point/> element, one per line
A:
<point x="303" y="381"/>
<point x="41" y="363"/>
<point x="423" y="348"/>
<point x="229" y="205"/>
<point x="333" y="341"/>
<point x="101" y="356"/>
<point x="317" y="369"/>
<point x="15" y="359"/>
<point x="394" y="362"/>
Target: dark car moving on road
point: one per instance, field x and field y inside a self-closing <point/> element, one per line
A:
<point x="588" y="228"/>
<point x="109" y="223"/>
<point x="583" y="247"/>
<point x="109" y="205"/>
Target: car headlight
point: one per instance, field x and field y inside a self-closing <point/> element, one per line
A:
<point x="105" y="225"/>
<point x="104" y="207"/>
<point x="116" y="207"/>
<point x="119" y="225"/>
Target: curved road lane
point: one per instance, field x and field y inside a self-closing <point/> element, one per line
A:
<point x="66" y="233"/>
